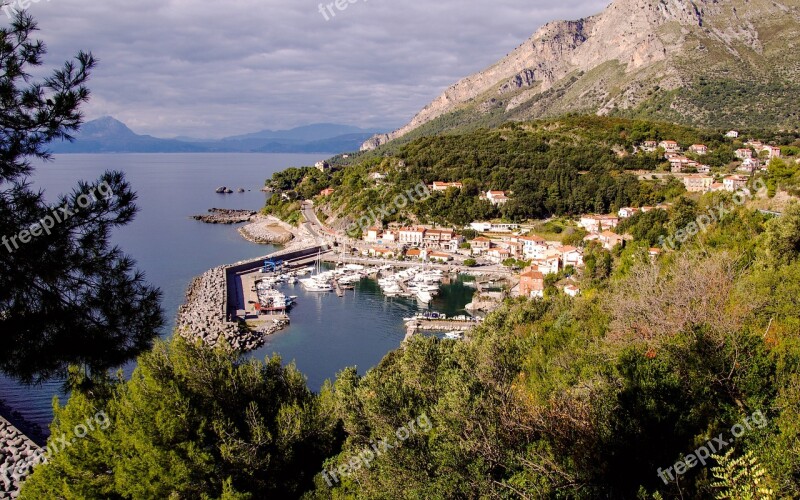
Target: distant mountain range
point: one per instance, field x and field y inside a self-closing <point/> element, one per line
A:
<point x="721" y="64"/>
<point x="108" y="135"/>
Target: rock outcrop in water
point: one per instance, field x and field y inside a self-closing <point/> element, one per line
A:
<point x="226" y="216"/>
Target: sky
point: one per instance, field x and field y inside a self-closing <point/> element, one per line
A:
<point x="213" y="69"/>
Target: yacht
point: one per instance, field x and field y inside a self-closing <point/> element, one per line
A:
<point x="315" y="285"/>
<point x="424" y="297"/>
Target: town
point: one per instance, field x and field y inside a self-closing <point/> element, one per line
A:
<point x="517" y="248"/>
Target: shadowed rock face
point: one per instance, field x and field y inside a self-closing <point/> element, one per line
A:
<point x="643" y="37"/>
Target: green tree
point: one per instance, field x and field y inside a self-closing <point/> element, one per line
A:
<point x="66" y="295"/>
<point x="197" y="423"/>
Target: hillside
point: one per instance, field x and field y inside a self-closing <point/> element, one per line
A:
<point x="563" y="166"/>
<point x="703" y="63"/>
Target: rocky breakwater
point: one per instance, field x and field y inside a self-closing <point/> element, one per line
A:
<point x="226" y="216"/>
<point x="204" y="316"/>
<point x="18" y="455"/>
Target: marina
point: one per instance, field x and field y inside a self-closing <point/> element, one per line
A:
<point x="264" y="293"/>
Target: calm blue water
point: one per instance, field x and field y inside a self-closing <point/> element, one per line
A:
<point x="327" y="333"/>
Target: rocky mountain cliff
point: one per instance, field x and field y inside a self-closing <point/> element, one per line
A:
<point x="666" y="59"/>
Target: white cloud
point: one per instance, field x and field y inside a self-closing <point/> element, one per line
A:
<point x="185" y="67"/>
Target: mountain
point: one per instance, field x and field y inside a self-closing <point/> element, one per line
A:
<point x="307" y="133"/>
<point x="316" y="138"/>
<point x="732" y="63"/>
<point x="108" y="135"/>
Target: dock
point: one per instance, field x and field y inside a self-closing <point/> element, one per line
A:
<point x="438" y="325"/>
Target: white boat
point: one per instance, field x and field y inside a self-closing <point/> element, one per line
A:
<point x="424" y="297"/>
<point x="315" y="285"/>
<point x="454" y="335"/>
<point x="350" y="279"/>
<point x="392" y="290"/>
<point x="272" y="300"/>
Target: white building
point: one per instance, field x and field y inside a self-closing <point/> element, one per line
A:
<point x="444" y="186"/>
<point x="597" y="223"/>
<point x="533" y="247"/>
<point x="669" y="146"/>
<point x="698" y="183"/>
<point x="734" y="183"/>
<point x="496" y="197"/>
<point x="491" y="227"/>
<point x="413" y="236"/>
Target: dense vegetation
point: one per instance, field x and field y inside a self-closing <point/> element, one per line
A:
<point x="556" y="398"/>
<point x="568" y="166"/>
<point x="726" y="103"/>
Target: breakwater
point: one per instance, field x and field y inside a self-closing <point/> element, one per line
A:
<point x="214" y="298"/>
<point x="18" y="455"/>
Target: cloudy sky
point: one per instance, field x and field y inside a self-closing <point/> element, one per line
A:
<point x="211" y="69"/>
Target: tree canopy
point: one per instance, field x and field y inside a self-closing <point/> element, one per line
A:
<point x="67" y="296"/>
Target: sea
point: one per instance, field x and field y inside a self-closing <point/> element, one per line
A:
<point x="327" y="333"/>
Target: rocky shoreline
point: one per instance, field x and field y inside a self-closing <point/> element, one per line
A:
<point x="18" y="455"/>
<point x="226" y="216"/>
<point x="267" y="231"/>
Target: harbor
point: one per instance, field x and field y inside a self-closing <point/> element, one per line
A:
<point x="249" y="301"/>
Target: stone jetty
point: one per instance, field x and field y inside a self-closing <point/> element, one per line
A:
<point x="226" y="216"/>
<point x="18" y="455"/>
<point x="204" y="315"/>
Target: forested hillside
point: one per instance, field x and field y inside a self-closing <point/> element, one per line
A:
<point x="566" y="166"/>
<point x="592" y="397"/>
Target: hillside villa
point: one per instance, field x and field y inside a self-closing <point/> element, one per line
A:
<point x="495" y="197"/>
<point x="597" y="223"/>
<point x="444" y="186"/>
<point x="698" y="183"/>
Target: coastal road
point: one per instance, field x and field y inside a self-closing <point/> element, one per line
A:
<point x="313" y="223"/>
